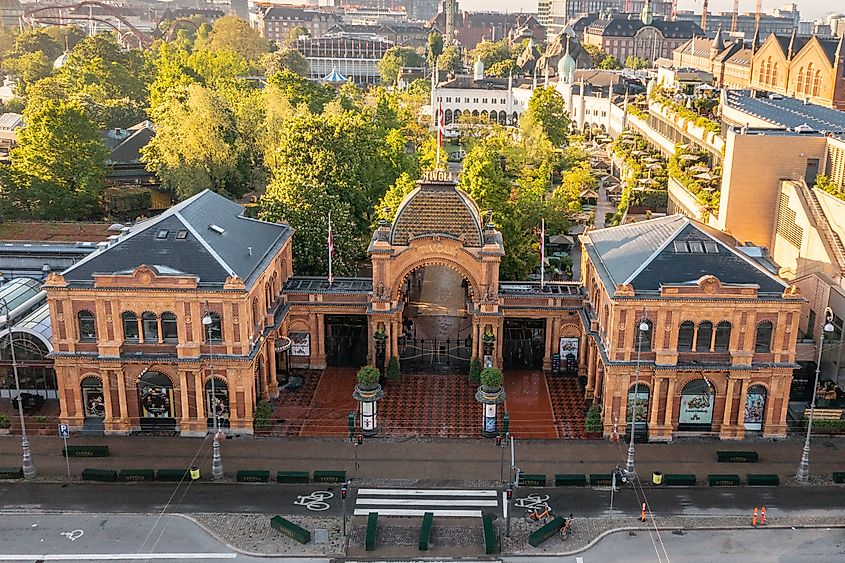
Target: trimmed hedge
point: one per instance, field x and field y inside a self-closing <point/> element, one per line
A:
<point x="136" y="475"/>
<point x="86" y="451"/>
<point x="570" y="480"/>
<point x="425" y="530"/>
<point x="763" y="480"/>
<point x="489" y="534"/>
<point x="292" y="477"/>
<point x="537" y="537"/>
<point x="601" y="479"/>
<point x="172" y="474"/>
<point x="737" y="457"/>
<point x="253" y="476"/>
<point x="11" y="472"/>
<point x="679" y="480"/>
<point x="107" y="475"/>
<point x="372" y="526"/>
<point x="290" y="529"/>
<point x="329" y="476"/>
<point x="532" y="480"/>
<point x="723" y="480"/>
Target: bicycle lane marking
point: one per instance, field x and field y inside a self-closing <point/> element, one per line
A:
<point x="315" y="501"/>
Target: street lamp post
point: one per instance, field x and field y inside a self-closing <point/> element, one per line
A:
<point x="28" y="468"/>
<point x="629" y="466"/>
<point x="804" y="467"/>
<point x="216" y="460"/>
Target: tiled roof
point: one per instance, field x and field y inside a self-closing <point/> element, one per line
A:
<point x="10" y="121"/>
<point x="217" y="241"/>
<point x="623" y="26"/>
<point x="786" y="112"/>
<point x="671" y="250"/>
<point x="437" y="209"/>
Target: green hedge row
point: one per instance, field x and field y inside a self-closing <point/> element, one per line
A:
<point x="290" y="529"/>
<point x="86" y="451"/>
<point x="11" y="473"/>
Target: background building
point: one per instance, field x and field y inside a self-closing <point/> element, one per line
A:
<point x="780" y="22"/>
<point x="355" y="59"/>
<point x="645" y="37"/>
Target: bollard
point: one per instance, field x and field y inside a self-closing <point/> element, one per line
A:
<point x="763" y="516"/>
<point x="754" y="519"/>
<point x="642" y="514"/>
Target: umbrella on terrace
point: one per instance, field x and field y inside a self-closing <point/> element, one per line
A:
<point x="654" y="166"/>
<point x="649" y="159"/>
<point x="638" y="153"/>
<point x="647" y="181"/>
<point x="698" y="169"/>
<point x="707" y="176"/>
<point x="688" y="157"/>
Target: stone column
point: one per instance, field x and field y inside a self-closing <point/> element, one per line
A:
<point x="549" y="348"/>
<point x="272" y="380"/>
<point x="199" y="392"/>
<point x="185" y="420"/>
<point x="106" y="378"/>
<point x="725" y="431"/>
<point x="586" y="360"/>
<point x="740" y="418"/>
<point x="669" y="415"/>
<point x="654" y="402"/>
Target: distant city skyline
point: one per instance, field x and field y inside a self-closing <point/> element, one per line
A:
<point x="810" y="9"/>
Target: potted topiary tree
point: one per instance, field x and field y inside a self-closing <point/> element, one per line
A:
<point x="393" y="371"/>
<point x="367" y="393"/>
<point x="475" y="370"/>
<point x="490" y="393"/>
<point x="592" y="423"/>
<point x="5" y="425"/>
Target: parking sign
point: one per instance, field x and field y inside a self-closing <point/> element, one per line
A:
<point x="64" y="432"/>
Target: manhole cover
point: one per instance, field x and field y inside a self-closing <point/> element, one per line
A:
<point x="321" y="535"/>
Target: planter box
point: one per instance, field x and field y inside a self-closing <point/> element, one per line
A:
<point x="329" y="476"/>
<point x="253" y="476"/>
<point x="737" y="457"/>
<point x="108" y="475"/>
<point x="372" y="525"/>
<point x="723" y="480"/>
<point x="679" y="480"/>
<point x="11" y="472"/>
<point x="537" y="537"/>
<point x="763" y="480"/>
<point x="172" y="475"/>
<point x="532" y="480"/>
<point x="570" y="480"/>
<point x="489" y="534"/>
<point x="425" y="530"/>
<point x="601" y="479"/>
<point x="290" y="529"/>
<point x="86" y="451"/>
<point x="136" y="475"/>
<point x="839" y="476"/>
<point x="292" y="477"/>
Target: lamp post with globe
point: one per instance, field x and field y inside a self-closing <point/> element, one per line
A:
<point x="216" y="460"/>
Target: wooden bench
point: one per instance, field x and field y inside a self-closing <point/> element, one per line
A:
<point x="136" y="475"/>
<point x="489" y="534"/>
<point x="290" y="529"/>
<point x="86" y="451"/>
<point x="570" y="480"/>
<point x="107" y="475"/>
<point x="292" y="477"/>
<point x="11" y="472"/>
<point x="372" y="526"/>
<point x="824" y="414"/>
<point x="601" y="479"/>
<point x="425" y="530"/>
<point x="763" y="480"/>
<point x="329" y="476"/>
<point x="172" y="475"/>
<point x="679" y="480"/>
<point x="252" y="476"/>
<point x="838" y="476"/>
<point x="537" y="537"/>
<point x="723" y="480"/>
<point x="532" y="480"/>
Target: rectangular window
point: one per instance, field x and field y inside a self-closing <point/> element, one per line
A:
<point x="130" y="328"/>
<point x="181" y="235"/>
<point x="162" y="234"/>
<point x="150" y="324"/>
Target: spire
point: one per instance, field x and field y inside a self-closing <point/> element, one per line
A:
<point x="791" y="50"/>
<point x="840" y="49"/>
<point x="647" y="15"/>
<point x="718" y="44"/>
<point x="755" y="41"/>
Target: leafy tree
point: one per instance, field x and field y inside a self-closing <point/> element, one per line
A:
<point x="394" y="59"/>
<point x="502" y="68"/>
<point x="7" y="39"/>
<point x="636" y="63"/>
<point x="197" y="145"/>
<point x="492" y="52"/>
<point x="28" y="68"/>
<point x="548" y="109"/>
<point x="295" y="33"/>
<point x="389" y="203"/>
<point x="58" y="166"/>
<point x="610" y="63"/>
<point x="450" y="60"/>
<point x="285" y="59"/>
<point x="231" y="33"/>
<point x="435" y="47"/>
<point x="300" y="90"/>
<point x="596" y="53"/>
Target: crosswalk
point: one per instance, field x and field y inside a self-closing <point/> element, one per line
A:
<point x="466" y="503"/>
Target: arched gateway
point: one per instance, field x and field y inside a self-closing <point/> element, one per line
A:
<point x="435" y="277"/>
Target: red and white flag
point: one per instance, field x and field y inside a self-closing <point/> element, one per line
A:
<point x="542" y="253"/>
<point x="331" y="249"/>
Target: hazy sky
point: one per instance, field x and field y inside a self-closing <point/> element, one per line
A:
<point x="810" y="9"/>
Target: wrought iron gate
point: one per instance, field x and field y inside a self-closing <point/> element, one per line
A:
<point x="420" y="354"/>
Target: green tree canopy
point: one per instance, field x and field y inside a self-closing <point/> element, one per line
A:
<point x="492" y="52"/>
<point x="300" y="90"/>
<point x="610" y="63"/>
<point x="434" y="48"/>
<point x="636" y="63"/>
<point x="547" y="108"/>
<point x="58" y="166"/>
<point x="285" y="59"/>
<point x="394" y="59"/>
<point x="231" y="33"/>
<point x="295" y="33"/>
<point x="450" y="60"/>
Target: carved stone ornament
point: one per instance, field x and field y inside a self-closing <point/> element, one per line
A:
<point x="742" y="328"/>
<point x="188" y="319"/>
<point x="236" y="320"/>
<point x="622" y="326"/>
<point x="108" y="318"/>
<point x="60" y="316"/>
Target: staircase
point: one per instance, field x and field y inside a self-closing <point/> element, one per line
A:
<point x="831" y="239"/>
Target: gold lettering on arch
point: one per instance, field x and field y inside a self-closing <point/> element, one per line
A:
<point x="438" y="176"/>
<point x="438" y="249"/>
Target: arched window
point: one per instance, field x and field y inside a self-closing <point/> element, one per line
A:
<point x="723" y="337"/>
<point x="644" y="344"/>
<point x="808" y="79"/>
<point x="686" y="332"/>
<point x="87" y="326"/>
<point x="448" y="117"/>
<point x="130" y="326"/>
<point x="705" y="335"/>
<point x="457" y="114"/>
<point x="214" y="331"/>
<point x="774" y="74"/>
<point x="169" y="329"/>
<point x="767" y="78"/>
<point x="763" y="341"/>
<point x="762" y="74"/>
<point x="255" y="311"/>
<point x="150" y="326"/>
<point x="800" y="87"/>
<point x="817" y="82"/>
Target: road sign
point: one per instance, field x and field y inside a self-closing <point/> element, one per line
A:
<point x="64" y="431"/>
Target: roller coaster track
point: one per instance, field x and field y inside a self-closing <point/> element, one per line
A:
<point x="46" y="15"/>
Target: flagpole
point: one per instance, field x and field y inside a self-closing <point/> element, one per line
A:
<point x="439" y="134"/>
<point x="331" y="249"/>
<point x="542" y="253"/>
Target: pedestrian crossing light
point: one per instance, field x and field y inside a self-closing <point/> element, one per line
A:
<point x="498" y="440"/>
<point x="359" y="439"/>
<point x="510" y="492"/>
<point x="344" y="489"/>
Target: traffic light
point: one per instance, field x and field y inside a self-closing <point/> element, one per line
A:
<point x="498" y="440"/>
<point x="344" y="489"/>
<point x="359" y="440"/>
<point x="510" y="492"/>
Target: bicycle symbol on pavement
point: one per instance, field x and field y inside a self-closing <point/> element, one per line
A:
<point x="316" y="501"/>
<point x="73" y="535"/>
<point x="533" y="502"/>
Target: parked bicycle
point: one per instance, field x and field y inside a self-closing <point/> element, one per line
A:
<point x="542" y="514"/>
<point x="566" y="530"/>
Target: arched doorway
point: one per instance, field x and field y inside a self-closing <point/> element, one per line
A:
<point x="35" y="370"/>
<point x="155" y="395"/>
<point x="696" y="412"/>
<point x="217" y="403"/>
<point x="755" y="408"/>
<point x="638" y="397"/>
<point x="436" y="324"/>
<point x="346" y="340"/>
<point x="524" y="343"/>
<point x="93" y="402"/>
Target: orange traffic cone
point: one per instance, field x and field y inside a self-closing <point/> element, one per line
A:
<point x="754" y="519"/>
<point x="763" y="516"/>
<point x="642" y="514"/>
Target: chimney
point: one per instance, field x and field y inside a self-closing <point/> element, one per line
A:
<point x="249" y="249"/>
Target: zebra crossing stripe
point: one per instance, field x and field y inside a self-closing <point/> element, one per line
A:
<point x="419" y="512"/>
<point x="465" y="503"/>
<point x="426" y="502"/>
<point x="427" y="492"/>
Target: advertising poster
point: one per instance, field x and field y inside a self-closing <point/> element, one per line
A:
<point x="300" y="343"/>
<point x="568" y="345"/>
<point x="156" y="401"/>
<point x="755" y="408"/>
<point x="94" y="405"/>
<point x="696" y="409"/>
<point x="219" y="403"/>
<point x="638" y="405"/>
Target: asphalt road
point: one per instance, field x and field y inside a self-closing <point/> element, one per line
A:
<point x="739" y="546"/>
<point x="280" y="499"/>
<point x="110" y="537"/>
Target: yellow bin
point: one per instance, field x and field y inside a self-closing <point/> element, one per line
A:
<point x="195" y="473"/>
<point x="657" y="477"/>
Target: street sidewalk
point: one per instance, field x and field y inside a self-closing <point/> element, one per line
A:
<point x="427" y="462"/>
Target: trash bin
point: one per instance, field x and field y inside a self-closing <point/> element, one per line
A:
<point x="195" y="473"/>
<point x="657" y="477"/>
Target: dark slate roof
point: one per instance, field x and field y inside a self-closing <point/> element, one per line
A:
<point x="786" y="112"/>
<point x="671" y="250"/>
<point x="205" y="252"/>
<point x="437" y="208"/>
<point x="623" y="26"/>
<point x="129" y="149"/>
